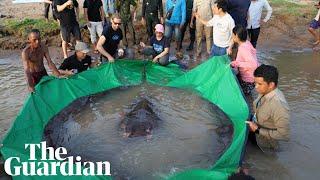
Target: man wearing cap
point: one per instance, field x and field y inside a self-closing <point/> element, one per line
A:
<point x="78" y="62"/>
<point x="159" y="47"/>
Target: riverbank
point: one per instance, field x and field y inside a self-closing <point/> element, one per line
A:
<point x="287" y="28"/>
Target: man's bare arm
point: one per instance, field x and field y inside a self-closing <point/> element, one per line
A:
<point x="63" y="6"/>
<point x="27" y="71"/>
<point x="100" y="48"/>
<point x="51" y="65"/>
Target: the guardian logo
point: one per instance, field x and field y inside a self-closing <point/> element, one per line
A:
<point x="50" y="166"/>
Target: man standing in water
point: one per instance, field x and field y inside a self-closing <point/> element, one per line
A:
<point x="32" y="58"/>
<point x="270" y="122"/>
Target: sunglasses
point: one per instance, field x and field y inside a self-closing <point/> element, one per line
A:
<point x="117" y="23"/>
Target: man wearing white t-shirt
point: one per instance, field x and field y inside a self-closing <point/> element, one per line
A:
<point x="222" y="24"/>
<point x="254" y="20"/>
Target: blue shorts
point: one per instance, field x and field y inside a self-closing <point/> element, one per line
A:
<point x="314" y="24"/>
<point x="218" y="51"/>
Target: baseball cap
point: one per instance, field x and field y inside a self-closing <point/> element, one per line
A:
<point x="159" y="28"/>
<point x="83" y="47"/>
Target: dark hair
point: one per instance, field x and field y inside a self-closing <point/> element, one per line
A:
<point x="36" y="31"/>
<point x="268" y="73"/>
<point x="240" y="176"/>
<point x="241" y="32"/>
<point x="222" y="4"/>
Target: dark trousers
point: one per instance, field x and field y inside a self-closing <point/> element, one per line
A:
<point x="127" y="26"/>
<point x="192" y="31"/>
<point x="151" y="21"/>
<point x="46" y="10"/>
<point x="254" y="35"/>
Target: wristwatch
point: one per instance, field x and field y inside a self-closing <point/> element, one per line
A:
<point x="257" y="130"/>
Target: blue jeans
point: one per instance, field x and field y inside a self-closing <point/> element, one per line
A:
<point x="218" y="51"/>
<point x="169" y="28"/>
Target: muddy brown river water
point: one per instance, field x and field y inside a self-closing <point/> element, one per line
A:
<point x="186" y="115"/>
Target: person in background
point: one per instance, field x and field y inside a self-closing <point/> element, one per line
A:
<point x="68" y="22"/>
<point x="78" y="62"/>
<point x="238" y="9"/>
<point x="246" y="61"/>
<point x="189" y="23"/>
<point x="151" y="11"/>
<point x="314" y="25"/>
<point x="47" y="4"/>
<point x="32" y="59"/>
<point x="123" y="7"/>
<point x="93" y="13"/>
<point x="222" y="24"/>
<point x="159" y="47"/>
<point x="204" y="9"/>
<point x="254" y="19"/>
<point x="175" y="19"/>
<point x="270" y="122"/>
<point x="109" y="7"/>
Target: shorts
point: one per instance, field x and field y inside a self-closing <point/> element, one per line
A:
<point x="67" y="30"/>
<point x="314" y="24"/>
<point x="36" y="76"/>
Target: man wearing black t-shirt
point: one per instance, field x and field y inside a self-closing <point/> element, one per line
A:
<point x="68" y="22"/>
<point x="93" y="12"/>
<point x="159" y="46"/>
<point x="110" y="39"/>
<point x="78" y="62"/>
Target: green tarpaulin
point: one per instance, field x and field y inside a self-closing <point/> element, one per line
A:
<point x="212" y="80"/>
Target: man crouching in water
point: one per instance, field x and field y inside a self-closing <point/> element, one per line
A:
<point x="32" y="58"/>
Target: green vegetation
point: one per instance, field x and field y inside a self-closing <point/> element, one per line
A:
<point x="285" y="7"/>
<point x="21" y="28"/>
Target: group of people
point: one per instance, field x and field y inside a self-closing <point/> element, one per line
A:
<point x="226" y="24"/>
<point x="179" y="15"/>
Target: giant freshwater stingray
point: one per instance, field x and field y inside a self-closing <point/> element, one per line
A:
<point x="141" y="120"/>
